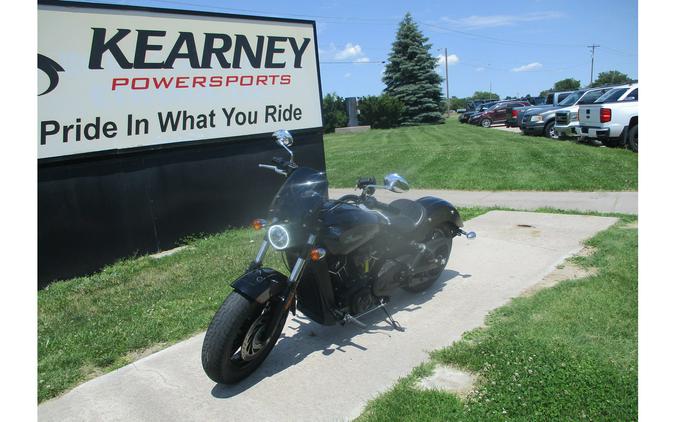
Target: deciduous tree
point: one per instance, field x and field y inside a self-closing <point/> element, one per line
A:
<point x="569" y="84"/>
<point x="611" y="77"/>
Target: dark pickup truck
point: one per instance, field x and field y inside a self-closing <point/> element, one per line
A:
<point x="552" y="99"/>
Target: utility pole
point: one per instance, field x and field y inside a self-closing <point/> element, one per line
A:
<point x="592" y="47"/>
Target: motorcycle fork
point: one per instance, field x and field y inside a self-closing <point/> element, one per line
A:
<point x="296" y="273"/>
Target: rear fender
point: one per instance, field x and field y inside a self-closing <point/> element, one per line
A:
<point x="261" y="284"/>
<point x="439" y="212"/>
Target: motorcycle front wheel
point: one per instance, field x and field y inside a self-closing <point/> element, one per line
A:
<point x="241" y="335"/>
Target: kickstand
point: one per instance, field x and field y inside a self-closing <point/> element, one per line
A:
<point x="391" y="319"/>
<point x="355" y="319"/>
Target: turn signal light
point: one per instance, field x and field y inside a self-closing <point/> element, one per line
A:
<point x="317" y="254"/>
<point x="258" y="224"/>
<point x="605" y="115"/>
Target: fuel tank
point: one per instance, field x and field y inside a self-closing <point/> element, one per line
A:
<point x="346" y="227"/>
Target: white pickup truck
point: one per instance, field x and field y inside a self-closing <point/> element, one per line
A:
<point x="614" y="122"/>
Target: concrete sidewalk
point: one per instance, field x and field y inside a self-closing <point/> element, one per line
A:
<point x="620" y="202"/>
<point x="318" y="373"/>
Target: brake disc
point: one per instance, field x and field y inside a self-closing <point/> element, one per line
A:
<point x="256" y="337"/>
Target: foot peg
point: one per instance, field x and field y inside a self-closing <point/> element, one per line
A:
<point x="354" y="320"/>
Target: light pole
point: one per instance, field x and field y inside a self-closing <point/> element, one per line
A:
<point x="447" y="84"/>
<point x="592" y="47"/>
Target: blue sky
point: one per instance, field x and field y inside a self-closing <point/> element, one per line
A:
<point x="517" y="47"/>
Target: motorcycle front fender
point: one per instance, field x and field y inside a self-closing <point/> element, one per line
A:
<point x="261" y="284"/>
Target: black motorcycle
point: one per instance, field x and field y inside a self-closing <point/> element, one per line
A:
<point x="345" y="257"/>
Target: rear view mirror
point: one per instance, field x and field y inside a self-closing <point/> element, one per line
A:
<point x="396" y="183"/>
<point x="283" y="138"/>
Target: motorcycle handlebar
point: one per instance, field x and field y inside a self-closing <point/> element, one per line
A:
<point x="275" y="168"/>
<point x="371" y="202"/>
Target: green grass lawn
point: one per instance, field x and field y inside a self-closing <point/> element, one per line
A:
<point x="566" y="353"/>
<point x="91" y="325"/>
<point x="467" y="157"/>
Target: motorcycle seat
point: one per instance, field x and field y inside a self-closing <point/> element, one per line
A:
<point x="410" y="215"/>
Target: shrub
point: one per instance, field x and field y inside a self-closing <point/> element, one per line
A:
<point x="380" y="112"/>
<point x="334" y="112"/>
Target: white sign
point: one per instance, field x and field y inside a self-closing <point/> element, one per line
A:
<point x="113" y="79"/>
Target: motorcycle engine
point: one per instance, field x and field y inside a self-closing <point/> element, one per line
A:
<point x="361" y="279"/>
<point x="390" y="276"/>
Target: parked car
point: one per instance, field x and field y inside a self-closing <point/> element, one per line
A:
<point x="614" y="123"/>
<point x="553" y="99"/>
<point x="496" y="114"/>
<point x="464" y="117"/>
<point x="567" y="119"/>
<point x="512" y="115"/>
<point x="540" y="100"/>
<point x="541" y="121"/>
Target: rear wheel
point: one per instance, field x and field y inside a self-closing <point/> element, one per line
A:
<point x="441" y="255"/>
<point x="633" y="138"/>
<point x="239" y="338"/>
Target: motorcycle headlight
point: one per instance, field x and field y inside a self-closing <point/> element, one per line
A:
<point x="536" y="118"/>
<point x="279" y="237"/>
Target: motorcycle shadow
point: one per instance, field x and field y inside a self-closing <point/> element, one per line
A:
<point x="302" y="336"/>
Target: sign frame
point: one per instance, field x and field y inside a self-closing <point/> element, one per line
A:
<point x="116" y="152"/>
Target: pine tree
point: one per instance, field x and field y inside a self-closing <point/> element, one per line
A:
<point x="411" y="76"/>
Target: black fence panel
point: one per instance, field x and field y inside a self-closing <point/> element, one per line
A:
<point x="95" y="211"/>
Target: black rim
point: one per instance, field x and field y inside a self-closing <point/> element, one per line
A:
<point x="253" y="337"/>
<point x="442" y="255"/>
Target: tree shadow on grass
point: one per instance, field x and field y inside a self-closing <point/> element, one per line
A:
<point x="308" y="336"/>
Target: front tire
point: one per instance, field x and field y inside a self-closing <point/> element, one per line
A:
<point x="486" y="123"/>
<point x="225" y="357"/>
<point x="549" y="130"/>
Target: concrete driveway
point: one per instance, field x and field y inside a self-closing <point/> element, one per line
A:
<point x="619" y="202"/>
<point x="318" y="373"/>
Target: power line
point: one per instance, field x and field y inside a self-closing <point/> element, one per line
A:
<point x="370" y="21"/>
<point x="501" y="41"/>
<point x="354" y="62"/>
<point x="388" y="21"/>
